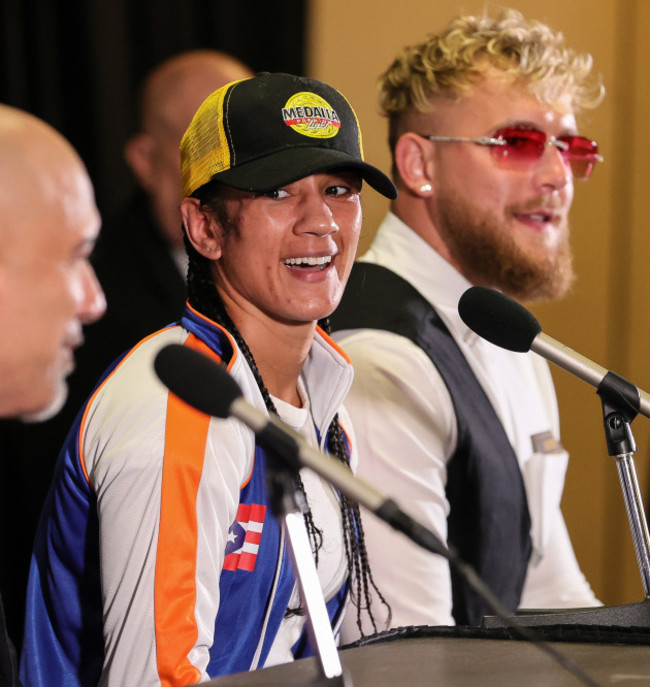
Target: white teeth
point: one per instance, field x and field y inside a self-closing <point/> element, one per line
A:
<point x="539" y="218"/>
<point x="309" y="261"/>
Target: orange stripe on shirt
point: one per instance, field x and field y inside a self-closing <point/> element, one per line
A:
<point x="333" y="344"/>
<point x="175" y="584"/>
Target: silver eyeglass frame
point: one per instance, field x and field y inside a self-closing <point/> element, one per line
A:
<point x="491" y="141"/>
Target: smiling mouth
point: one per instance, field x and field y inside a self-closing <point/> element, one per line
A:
<point x="321" y="262"/>
<point x="541" y="217"/>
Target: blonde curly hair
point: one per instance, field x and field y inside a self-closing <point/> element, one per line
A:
<point x="454" y="61"/>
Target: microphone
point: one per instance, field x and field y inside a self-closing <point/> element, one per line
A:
<point x="505" y="323"/>
<point x="207" y="386"/>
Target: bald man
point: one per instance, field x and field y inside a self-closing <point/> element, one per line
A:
<point x="138" y="264"/>
<point x="48" y="289"/>
<point x="170" y="97"/>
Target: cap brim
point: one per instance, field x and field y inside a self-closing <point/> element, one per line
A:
<point x="286" y="166"/>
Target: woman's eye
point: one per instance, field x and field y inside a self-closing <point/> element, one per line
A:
<point x="277" y="194"/>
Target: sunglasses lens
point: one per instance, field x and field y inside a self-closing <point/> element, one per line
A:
<point x="581" y="154"/>
<point x="520" y="146"/>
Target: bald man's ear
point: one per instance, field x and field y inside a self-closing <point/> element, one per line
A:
<point x="414" y="162"/>
<point x="138" y="153"/>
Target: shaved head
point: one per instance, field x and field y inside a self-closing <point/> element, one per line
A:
<point x="34" y="161"/>
<point x="171" y="95"/>
<point x="174" y="90"/>
<point x="48" y="225"/>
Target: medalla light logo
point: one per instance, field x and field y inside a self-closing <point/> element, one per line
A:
<point x="311" y="115"/>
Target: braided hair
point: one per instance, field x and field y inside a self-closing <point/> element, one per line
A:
<point x="205" y="298"/>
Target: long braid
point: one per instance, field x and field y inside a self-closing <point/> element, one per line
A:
<point x="354" y="538"/>
<point x="205" y="298"/>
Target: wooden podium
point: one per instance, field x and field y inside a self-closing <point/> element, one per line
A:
<point x="452" y="661"/>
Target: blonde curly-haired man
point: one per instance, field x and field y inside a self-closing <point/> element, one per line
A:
<point x="485" y="144"/>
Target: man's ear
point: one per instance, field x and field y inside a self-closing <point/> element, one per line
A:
<point x="138" y="153"/>
<point x="414" y="163"/>
<point x="202" y="229"/>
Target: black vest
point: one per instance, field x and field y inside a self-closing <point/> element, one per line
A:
<point x="489" y="523"/>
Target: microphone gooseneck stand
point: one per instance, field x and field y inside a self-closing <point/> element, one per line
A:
<point x="288" y="506"/>
<point x="620" y="401"/>
<point x="503" y="322"/>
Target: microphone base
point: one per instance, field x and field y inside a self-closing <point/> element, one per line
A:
<point x="629" y="615"/>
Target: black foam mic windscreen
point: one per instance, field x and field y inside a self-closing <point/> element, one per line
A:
<point x="196" y="379"/>
<point x="498" y="319"/>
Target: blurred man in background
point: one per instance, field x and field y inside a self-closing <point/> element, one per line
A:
<point x="140" y="259"/>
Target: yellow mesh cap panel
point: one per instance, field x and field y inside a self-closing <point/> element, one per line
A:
<point x="204" y="148"/>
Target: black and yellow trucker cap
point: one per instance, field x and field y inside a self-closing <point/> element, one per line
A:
<point x="270" y="130"/>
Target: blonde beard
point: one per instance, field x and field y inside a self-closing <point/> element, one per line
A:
<point x="489" y="256"/>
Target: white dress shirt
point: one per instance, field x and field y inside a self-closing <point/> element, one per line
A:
<point x="406" y="432"/>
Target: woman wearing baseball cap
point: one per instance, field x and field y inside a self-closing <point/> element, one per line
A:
<point x="158" y="560"/>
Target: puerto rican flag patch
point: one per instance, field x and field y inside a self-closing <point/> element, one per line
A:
<point x="244" y="537"/>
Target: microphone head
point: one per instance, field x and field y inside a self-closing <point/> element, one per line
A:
<point x="196" y="379"/>
<point x="498" y="319"/>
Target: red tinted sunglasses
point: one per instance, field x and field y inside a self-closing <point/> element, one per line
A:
<point x="515" y="147"/>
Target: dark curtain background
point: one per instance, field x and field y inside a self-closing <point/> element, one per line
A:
<point x="78" y="65"/>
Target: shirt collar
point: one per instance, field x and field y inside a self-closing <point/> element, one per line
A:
<point x="397" y="247"/>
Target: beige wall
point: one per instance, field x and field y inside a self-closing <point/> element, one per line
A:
<point x="606" y="317"/>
